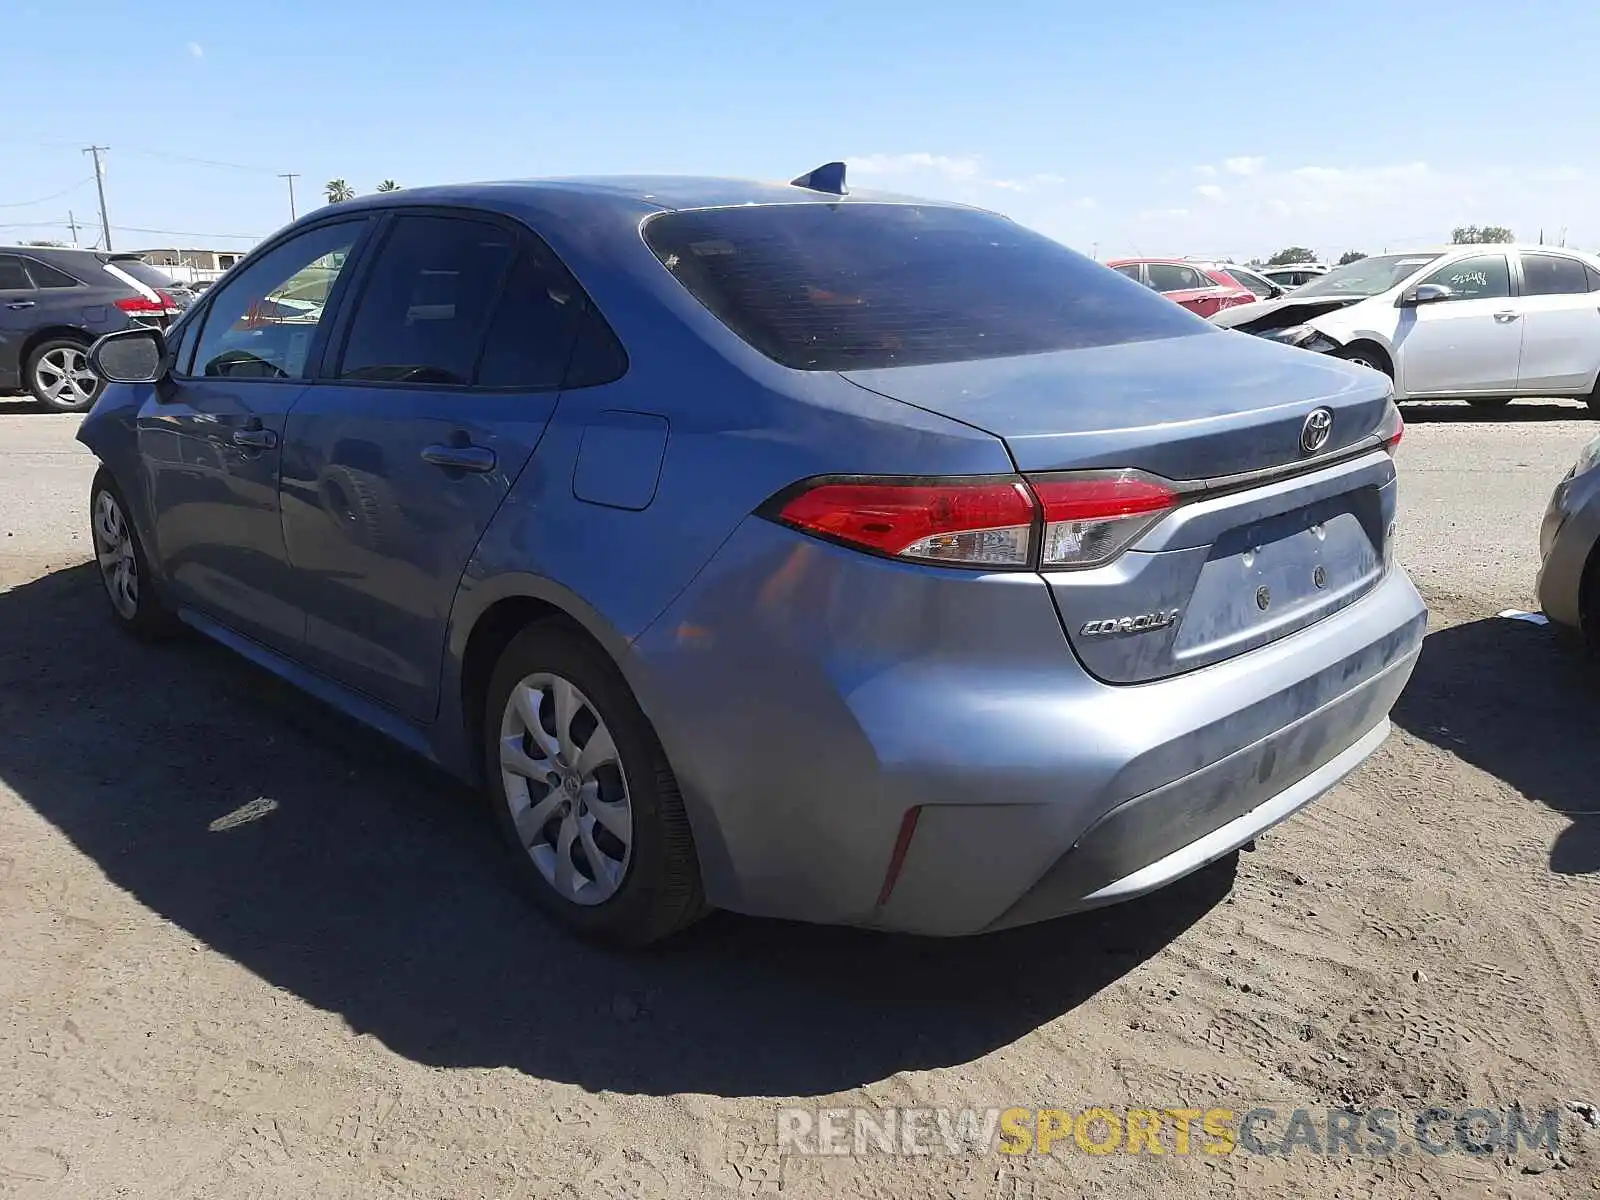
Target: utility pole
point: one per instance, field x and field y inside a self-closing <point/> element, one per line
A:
<point x="72" y="224"/>
<point x="291" y="176"/>
<point x="100" y="186"/>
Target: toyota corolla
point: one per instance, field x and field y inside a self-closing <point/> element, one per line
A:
<point x="803" y="553"/>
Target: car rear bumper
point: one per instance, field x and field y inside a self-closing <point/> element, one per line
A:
<point x="809" y="698"/>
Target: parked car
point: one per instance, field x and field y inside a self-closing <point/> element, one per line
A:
<point x="771" y="548"/>
<point x="54" y="302"/>
<point x="1569" y="550"/>
<point x="1195" y="287"/>
<point x="1484" y="324"/>
<point x="1256" y="284"/>
<point x="1294" y="275"/>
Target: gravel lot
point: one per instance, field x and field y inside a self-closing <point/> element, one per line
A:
<point x="343" y="997"/>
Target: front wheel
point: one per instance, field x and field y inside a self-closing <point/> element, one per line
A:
<point x="583" y="793"/>
<point x="124" y="570"/>
<point x="59" y="376"/>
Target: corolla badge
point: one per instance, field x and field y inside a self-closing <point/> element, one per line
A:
<point x="1315" y="432"/>
<point x="1142" y="623"/>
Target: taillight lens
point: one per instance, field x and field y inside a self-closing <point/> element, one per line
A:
<point x="1393" y="427"/>
<point x="971" y="523"/>
<point x="1092" y="516"/>
<point x="138" y="306"/>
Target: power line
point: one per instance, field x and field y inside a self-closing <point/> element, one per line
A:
<point x="47" y="199"/>
<point x="199" y="162"/>
<point x="227" y="237"/>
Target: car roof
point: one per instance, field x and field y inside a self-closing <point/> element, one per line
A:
<point x="662" y="192"/>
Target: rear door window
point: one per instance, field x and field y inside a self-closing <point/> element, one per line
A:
<point x="1552" y="275"/>
<point x="540" y="315"/>
<point x="425" y="306"/>
<point x="856" y="286"/>
<point x="46" y="276"/>
<point x="12" y="276"/>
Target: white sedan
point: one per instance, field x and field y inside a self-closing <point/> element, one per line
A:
<point x="1485" y="324"/>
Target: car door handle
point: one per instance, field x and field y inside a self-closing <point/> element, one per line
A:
<point x="461" y="458"/>
<point x="22" y="304"/>
<point x="1503" y="317"/>
<point x="255" y="439"/>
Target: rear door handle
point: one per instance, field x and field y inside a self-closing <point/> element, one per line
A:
<point x="22" y="304"/>
<point x="461" y="458"/>
<point x="1503" y="317"/>
<point x="255" y="439"/>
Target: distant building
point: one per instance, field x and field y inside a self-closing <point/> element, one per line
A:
<point x="200" y="260"/>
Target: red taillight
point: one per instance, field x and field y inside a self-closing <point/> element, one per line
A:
<point x="1092" y="516"/>
<point x="974" y="523"/>
<point x="1393" y="428"/>
<point x="138" y="306"/>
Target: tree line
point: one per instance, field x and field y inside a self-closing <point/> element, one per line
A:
<point x="1461" y="235"/>
<point x="337" y="190"/>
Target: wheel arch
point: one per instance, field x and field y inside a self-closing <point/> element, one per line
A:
<point x="51" y="333"/>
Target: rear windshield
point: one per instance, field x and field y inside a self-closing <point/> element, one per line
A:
<point x="153" y="277"/>
<point x="838" y="287"/>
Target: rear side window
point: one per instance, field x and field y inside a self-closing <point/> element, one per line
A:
<point x="137" y="268"/>
<point x="12" y="276"/>
<point x="46" y="276"/>
<point x="855" y="286"/>
<point x="426" y="305"/>
<point x="545" y="332"/>
<point x="1552" y="275"/>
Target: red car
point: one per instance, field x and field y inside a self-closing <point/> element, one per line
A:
<point x="1199" y="287"/>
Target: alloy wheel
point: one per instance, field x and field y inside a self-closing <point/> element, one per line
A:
<point x="113" y="547"/>
<point x="566" y="789"/>
<point x="63" y="376"/>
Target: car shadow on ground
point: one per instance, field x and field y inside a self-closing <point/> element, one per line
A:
<point x="1459" y="412"/>
<point x="339" y="868"/>
<point x="1519" y="701"/>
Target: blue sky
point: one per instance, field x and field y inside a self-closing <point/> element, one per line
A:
<point x="1220" y="127"/>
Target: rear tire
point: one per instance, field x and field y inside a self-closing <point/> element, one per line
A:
<point x="57" y="373"/>
<point x="136" y="603"/>
<point x="590" y="813"/>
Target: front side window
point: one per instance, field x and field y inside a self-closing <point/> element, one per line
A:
<point x="1481" y="277"/>
<point x="426" y="306"/>
<point x="860" y="285"/>
<point x="1552" y="275"/>
<point x="261" y="324"/>
<point x="1250" y="281"/>
<point x="12" y="276"/>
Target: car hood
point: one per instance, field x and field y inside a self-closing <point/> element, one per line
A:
<point x="1282" y="312"/>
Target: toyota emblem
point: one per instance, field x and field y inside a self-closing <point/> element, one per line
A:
<point x="1315" y="432"/>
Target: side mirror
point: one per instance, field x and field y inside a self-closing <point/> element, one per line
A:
<point x="130" y="356"/>
<point x="1425" y="293"/>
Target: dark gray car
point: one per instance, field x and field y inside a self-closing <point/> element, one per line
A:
<point x="54" y="302"/>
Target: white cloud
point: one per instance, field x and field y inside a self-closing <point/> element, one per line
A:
<point x="1048" y="180"/>
<point x="1009" y="185"/>
<point x="1087" y="203"/>
<point x="950" y="166"/>
<point x="1206" y="171"/>
<point x="1212" y="192"/>
<point x="196" y="50"/>
<point x="1244" y="164"/>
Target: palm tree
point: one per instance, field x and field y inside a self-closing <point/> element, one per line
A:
<point x="337" y="190"/>
<point x="388" y="185"/>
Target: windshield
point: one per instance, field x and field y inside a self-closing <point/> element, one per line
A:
<point x="840" y="287"/>
<point x="1367" y="276"/>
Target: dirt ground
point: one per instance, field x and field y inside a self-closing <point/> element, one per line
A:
<point x="249" y="952"/>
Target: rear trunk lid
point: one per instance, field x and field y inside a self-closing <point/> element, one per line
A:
<point x="1270" y="538"/>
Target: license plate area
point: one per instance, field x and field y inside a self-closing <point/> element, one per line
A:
<point x="1267" y="578"/>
